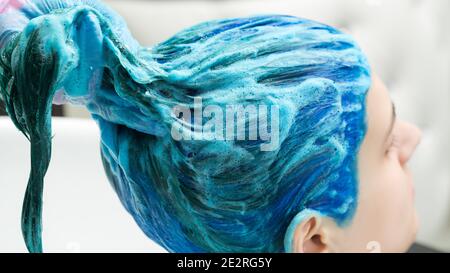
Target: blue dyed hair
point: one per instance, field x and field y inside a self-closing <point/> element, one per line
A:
<point x="193" y="195"/>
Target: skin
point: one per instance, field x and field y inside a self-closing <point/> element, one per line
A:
<point x="385" y="219"/>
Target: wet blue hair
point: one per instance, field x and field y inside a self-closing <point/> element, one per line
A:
<point x="193" y="195"/>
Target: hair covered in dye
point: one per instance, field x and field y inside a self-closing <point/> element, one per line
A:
<point x="193" y="195"/>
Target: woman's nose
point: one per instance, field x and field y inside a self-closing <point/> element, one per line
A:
<point x="411" y="137"/>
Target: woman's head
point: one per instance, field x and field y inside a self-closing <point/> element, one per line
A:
<point x="385" y="218"/>
<point x="316" y="191"/>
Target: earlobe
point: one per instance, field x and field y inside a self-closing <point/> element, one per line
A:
<point x="306" y="234"/>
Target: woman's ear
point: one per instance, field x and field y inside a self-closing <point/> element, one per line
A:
<point x="307" y="233"/>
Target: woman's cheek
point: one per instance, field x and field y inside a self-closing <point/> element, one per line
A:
<point x="398" y="170"/>
<point x="396" y="181"/>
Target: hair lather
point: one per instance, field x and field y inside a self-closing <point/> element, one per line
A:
<point x="192" y="195"/>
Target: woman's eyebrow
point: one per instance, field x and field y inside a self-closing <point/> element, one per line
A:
<point x="391" y="127"/>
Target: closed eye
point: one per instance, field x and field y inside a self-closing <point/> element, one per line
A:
<point x="393" y="143"/>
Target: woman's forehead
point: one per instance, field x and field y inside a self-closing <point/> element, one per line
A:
<point x="379" y="112"/>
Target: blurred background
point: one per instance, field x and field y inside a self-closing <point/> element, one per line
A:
<point x="408" y="45"/>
